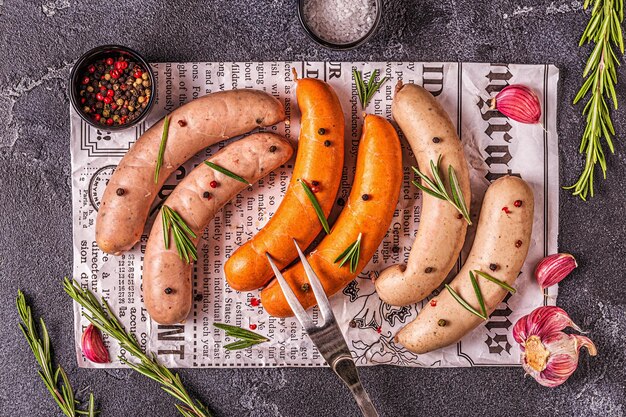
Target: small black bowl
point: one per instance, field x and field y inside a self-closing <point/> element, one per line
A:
<point x="92" y="56"/>
<point x="340" y="46"/>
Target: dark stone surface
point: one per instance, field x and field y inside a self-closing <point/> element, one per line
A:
<point x="40" y="40"/>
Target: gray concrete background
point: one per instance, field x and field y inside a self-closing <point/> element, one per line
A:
<point x="40" y="40"/>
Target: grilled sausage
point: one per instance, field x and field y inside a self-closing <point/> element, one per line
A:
<point x="500" y="248"/>
<point x="167" y="279"/>
<point x="368" y="211"/>
<point x="442" y="229"/>
<point x="203" y="122"/>
<point x="319" y="163"/>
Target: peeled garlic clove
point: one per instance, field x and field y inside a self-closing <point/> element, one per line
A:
<point x="93" y="347"/>
<point x="519" y="103"/>
<point x="552" y="269"/>
<point x="549" y="355"/>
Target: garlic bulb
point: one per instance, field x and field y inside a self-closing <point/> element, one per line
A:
<point x="549" y="355"/>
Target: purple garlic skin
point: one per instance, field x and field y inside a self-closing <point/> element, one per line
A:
<point x="552" y="269"/>
<point x="93" y="347"/>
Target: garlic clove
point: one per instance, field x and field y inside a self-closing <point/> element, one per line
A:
<point x="549" y="355"/>
<point x="519" y="103"/>
<point x="552" y="269"/>
<point x="93" y="347"/>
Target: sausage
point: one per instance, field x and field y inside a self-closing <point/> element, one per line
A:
<point x="441" y="231"/>
<point x="319" y="162"/>
<point x="167" y="279"/>
<point x="500" y="248"/>
<point x="369" y="211"/>
<point x="193" y="127"/>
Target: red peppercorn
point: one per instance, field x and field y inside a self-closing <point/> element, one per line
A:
<point x="91" y="69"/>
<point x="109" y="61"/>
<point x="253" y="326"/>
<point x="99" y="97"/>
<point x="122" y="120"/>
<point x="115" y="74"/>
<point x="97" y="117"/>
<point x="254" y="302"/>
<point x="110" y="93"/>
<point x="102" y="88"/>
<point x="113" y="106"/>
<point x="119" y="65"/>
<point x="102" y="77"/>
<point x="109" y="121"/>
<point x="138" y="74"/>
<point x="123" y="87"/>
<point x="107" y="100"/>
<point x="124" y="64"/>
<point x="518" y="203"/>
<point x="213" y="184"/>
<point x="433" y="302"/>
<point x="83" y="100"/>
<point x="86" y="80"/>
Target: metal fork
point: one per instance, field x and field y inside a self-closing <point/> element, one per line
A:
<point x="326" y="335"/>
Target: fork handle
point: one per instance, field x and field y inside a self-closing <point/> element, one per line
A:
<point x="363" y="400"/>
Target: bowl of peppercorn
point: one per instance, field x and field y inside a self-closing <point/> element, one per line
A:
<point x="112" y="87"/>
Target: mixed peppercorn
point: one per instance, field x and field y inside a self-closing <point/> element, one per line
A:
<point x="114" y="91"/>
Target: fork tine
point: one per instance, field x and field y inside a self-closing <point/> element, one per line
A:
<point x="316" y="285"/>
<point x="291" y="298"/>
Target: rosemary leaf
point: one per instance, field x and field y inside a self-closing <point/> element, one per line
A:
<point x="159" y="163"/>
<point x="496" y="281"/>
<point x="238" y="332"/>
<point x="351" y="254"/>
<point x="366" y="90"/>
<point x="436" y="188"/>
<point x="247" y="337"/>
<point x="181" y="233"/>
<point x="316" y="206"/>
<point x="99" y="313"/>
<point x="463" y="303"/>
<point x="479" y="294"/>
<point x="227" y="172"/>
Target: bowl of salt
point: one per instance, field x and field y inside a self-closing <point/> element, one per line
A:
<point x="340" y="24"/>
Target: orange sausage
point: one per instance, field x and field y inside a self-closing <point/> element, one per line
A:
<point x="319" y="161"/>
<point x="193" y="127"/>
<point x="378" y="176"/>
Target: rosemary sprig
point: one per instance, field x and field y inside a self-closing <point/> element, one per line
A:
<point x="437" y="188"/>
<point x="366" y="90"/>
<point x="166" y="128"/>
<point x="479" y="295"/>
<point x="56" y="382"/>
<point x="604" y="30"/>
<point x="100" y="315"/>
<point x="316" y="206"/>
<point x="172" y="222"/>
<point x="352" y="254"/>
<point x="227" y="172"/>
<point x="247" y="338"/>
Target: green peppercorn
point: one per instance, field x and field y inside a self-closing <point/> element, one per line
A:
<point x="146" y="83"/>
<point x="119" y="101"/>
<point x="116" y="87"/>
<point x="106" y="113"/>
<point x="90" y="89"/>
<point x="107" y="76"/>
<point x="131" y="108"/>
<point x="87" y="109"/>
<point x="116" y="118"/>
<point x="140" y="99"/>
<point x="144" y="76"/>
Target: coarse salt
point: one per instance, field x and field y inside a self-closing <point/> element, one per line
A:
<point x="340" y="21"/>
